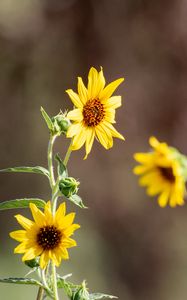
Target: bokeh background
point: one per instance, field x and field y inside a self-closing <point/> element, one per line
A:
<point x="128" y="246"/>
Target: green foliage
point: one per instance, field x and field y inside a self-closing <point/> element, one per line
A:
<point x="36" y="170"/>
<point x="61" y="169"/>
<point x="77" y="201"/>
<point x="21" y="203"/>
<point x="47" y="120"/>
<point x="29" y="281"/>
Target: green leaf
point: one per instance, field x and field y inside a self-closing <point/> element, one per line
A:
<point x="21" y="203"/>
<point x="96" y="296"/>
<point x="68" y="287"/>
<point x="47" y="119"/>
<point x="21" y="281"/>
<point x="37" y="170"/>
<point x="77" y="201"/>
<point x="62" y="170"/>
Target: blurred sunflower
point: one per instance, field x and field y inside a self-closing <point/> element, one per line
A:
<point x="48" y="236"/>
<point x="94" y="113"/>
<point x="161" y="174"/>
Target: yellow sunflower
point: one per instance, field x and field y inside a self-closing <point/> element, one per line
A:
<point x="94" y="113"/>
<point x="161" y="174"/>
<point x="47" y="236"/>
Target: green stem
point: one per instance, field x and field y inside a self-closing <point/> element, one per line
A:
<point x="68" y="153"/>
<point x="50" y="160"/>
<point x="55" y="289"/>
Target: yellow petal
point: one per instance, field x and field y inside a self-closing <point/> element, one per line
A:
<point x="37" y="215"/>
<point x="110" y="115"/>
<point x="67" y="220"/>
<point x="107" y="133"/>
<point x="19" y="235"/>
<point x="48" y="213"/>
<point x="44" y="259"/>
<point x="61" y="211"/>
<point x="101" y="81"/>
<point x="89" y="140"/>
<point x="113" y="131"/>
<point x="154" y="142"/>
<point x="70" y="230"/>
<point x="75" y="115"/>
<point x="102" y="137"/>
<point x="74" y="98"/>
<point x="21" y="248"/>
<point x="92" y="83"/>
<point x="144" y="158"/>
<point x="74" y="129"/>
<point x="31" y="253"/>
<point x="138" y="170"/>
<point x="110" y="88"/>
<point x="79" y="140"/>
<point x="163" y="198"/>
<point x="24" y="222"/>
<point x="82" y="90"/>
<point x="64" y="253"/>
<point x="114" y="102"/>
<point x="68" y="243"/>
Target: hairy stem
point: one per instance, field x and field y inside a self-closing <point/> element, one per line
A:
<point x="50" y="160"/>
<point x="68" y="153"/>
<point x="40" y="294"/>
<point x="55" y="288"/>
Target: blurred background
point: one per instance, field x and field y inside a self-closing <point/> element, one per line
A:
<point x="128" y="246"/>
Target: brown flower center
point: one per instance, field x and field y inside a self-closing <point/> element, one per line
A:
<point x="49" y="237"/>
<point x="93" y="112"/>
<point x="167" y="173"/>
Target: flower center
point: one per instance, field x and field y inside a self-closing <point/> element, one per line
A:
<point x="167" y="173"/>
<point x="93" y="112"/>
<point x="49" y="237"/>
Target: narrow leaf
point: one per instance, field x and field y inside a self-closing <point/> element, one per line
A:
<point x="21" y="281"/>
<point x="47" y="119"/>
<point x="96" y="296"/>
<point x="77" y="201"/>
<point x="62" y="170"/>
<point x="21" y="203"/>
<point x="37" y="170"/>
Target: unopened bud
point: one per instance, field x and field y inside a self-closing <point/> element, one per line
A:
<point x="61" y="123"/>
<point x="68" y="186"/>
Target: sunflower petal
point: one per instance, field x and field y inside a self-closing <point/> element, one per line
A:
<point x="92" y="83"/>
<point x="89" y="140"/>
<point x="79" y="139"/>
<point x="38" y="215"/>
<point x="70" y="230"/>
<point x="110" y="88"/>
<point x="31" y="253"/>
<point x="74" y="129"/>
<point x="75" y="115"/>
<point x="113" y="131"/>
<point x="44" y="259"/>
<point x="114" y="102"/>
<point x="24" y="222"/>
<point x="82" y="90"/>
<point x="18" y="235"/>
<point x="68" y="243"/>
<point x="74" y="98"/>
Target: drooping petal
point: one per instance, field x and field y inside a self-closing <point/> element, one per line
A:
<point x="102" y="137"/>
<point x="75" y="115"/>
<point x="75" y="98"/>
<point x="78" y="140"/>
<point x="110" y="88"/>
<point x="107" y="133"/>
<point x="89" y="140"/>
<point x="24" y="222"/>
<point x="82" y="90"/>
<point x="164" y="197"/>
<point x="113" y="131"/>
<point x="74" y="129"/>
<point x="44" y="259"/>
<point x="31" y="253"/>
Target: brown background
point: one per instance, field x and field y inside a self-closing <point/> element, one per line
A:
<point x="128" y="246"/>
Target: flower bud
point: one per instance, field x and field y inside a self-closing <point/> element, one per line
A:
<point x="68" y="186"/>
<point x="82" y="293"/>
<point x="61" y="123"/>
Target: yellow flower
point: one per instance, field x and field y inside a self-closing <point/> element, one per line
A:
<point x="47" y="236"/>
<point x="94" y="113"/>
<point x="161" y="174"/>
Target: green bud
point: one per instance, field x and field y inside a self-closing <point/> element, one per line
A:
<point x="68" y="186"/>
<point x="33" y="263"/>
<point x="60" y="123"/>
<point x="82" y="293"/>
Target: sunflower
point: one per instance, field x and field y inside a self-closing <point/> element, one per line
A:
<point x="161" y="174"/>
<point x="94" y="113"/>
<point x="47" y="236"/>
